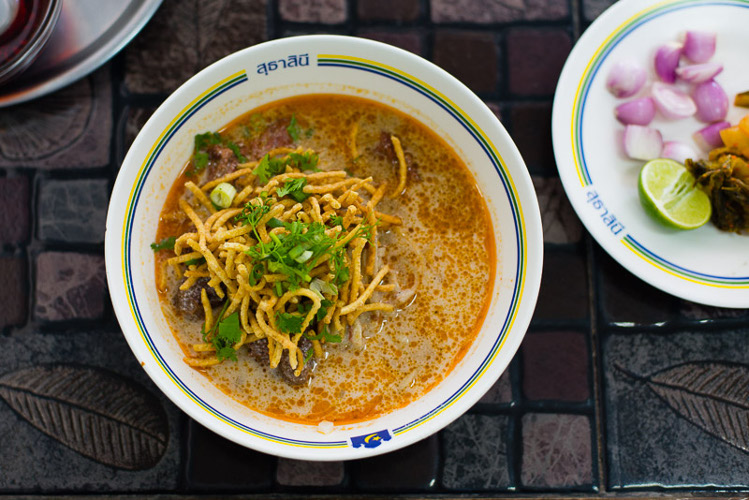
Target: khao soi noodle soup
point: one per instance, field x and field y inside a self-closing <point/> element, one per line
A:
<point x="324" y="259"/>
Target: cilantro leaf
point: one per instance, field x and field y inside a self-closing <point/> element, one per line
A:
<point x="294" y="188"/>
<point x="289" y="322"/>
<point x="304" y="161"/>
<point x="203" y="141"/>
<point x="269" y="167"/>
<point x="252" y="213"/>
<point x="165" y="244"/>
<point x="258" y="270"/>
<point x="293" y="129"/>
<point x="235" y="149"/>
<point x="336" y="220"/>
<point x="323" y="311"/>
<point x="228" y="334"/>
<point x="326" y="336"/>
<point x="195" y="262"/>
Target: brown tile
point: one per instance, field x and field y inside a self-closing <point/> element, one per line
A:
<point x="412" y="42"/>
<point x="556" y="451"/>
<point x="68" y="128"/>
<point x="535" y="58"/>
<point x="217" y="464"/>
<point x="626" y="299"/>
<point x="495" y="108"/>
<point x="559" y="220"/>
<point x="13" y="293"/>
<point x="69" y="286"/>
<point x="531" y="131"/>
<point x="564" y="287"/>
<point x="185" y="36"/>
<point x="313" y="11"/>
<point x="488" y="11"/>
<point x="14" y="209"/>
<point x="388" y="10"/>
<point x="302" y="473"/>
<point x="411" y="468"/>
<point x="594" y="8"/>
<point x="555" y="366"/>
<point x="500" y="392"/>
<point x="470" y="57"/>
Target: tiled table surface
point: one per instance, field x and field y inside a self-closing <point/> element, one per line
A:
<point x="617" y="390"/>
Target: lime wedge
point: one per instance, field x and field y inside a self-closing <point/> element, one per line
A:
<point x="670" y="195"/>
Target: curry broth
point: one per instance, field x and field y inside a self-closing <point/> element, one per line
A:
<point x="442" y="259"/>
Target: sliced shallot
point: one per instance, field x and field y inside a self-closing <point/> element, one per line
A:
<point x="636" y="112"/>
<point x="626" y="78"/>
<point x="708" y="138"/>
<point x="642" y="143"/>
<point x="711" y="101"/>
<point x="678" y="151"/>
<point x="666" y="61"/>
<point x="699" y="46"/>
<point x="698" y="73"/>
<point x="672" y="102"/>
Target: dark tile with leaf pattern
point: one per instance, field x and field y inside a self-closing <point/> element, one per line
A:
<point x="300" y="473"/>
<point x="413" y="468"/>
<point x="564" y="287"/>
<point x="699" y="312"/>
<point x="130" y="124"/>
<point x="555" y="366"/>
<point x="471" y="57"/>
<point x="13" y="292"/>
<point x="626" y="299"/>
<point x="557" y="451"/>
<point x="535" y="58"/>
<point x="217" y="464"/>
<point x="14" y="210"/>
<point x="558" y="219"/>
<point x="70" y="128"/>
<point x="485" y="11"/>
<point x="73" y="211"/>
<point x="185" y="36"/>
<point x="676" y="409"/>
<point x="69" y="286"/>
<point x="475" y="453"/>
<point x="78" y="413"/>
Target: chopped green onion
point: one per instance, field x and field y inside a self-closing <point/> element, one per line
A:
<point x="274" y="223"/>
<point x="223" y="194"/>
<point x="321" y="287"/>
<point x="297" y="251"/>
<point x="304" y="257"/>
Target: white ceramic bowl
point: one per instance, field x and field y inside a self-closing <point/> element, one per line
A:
<point x="324" y="64"/>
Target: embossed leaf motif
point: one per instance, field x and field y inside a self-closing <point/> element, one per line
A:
<point x="713" y="396"/>
<point x="95" y="412"/>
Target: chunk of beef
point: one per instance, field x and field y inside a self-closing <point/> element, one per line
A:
<point x="188" y="301"/>
<point x="385" y="149"/>
<point x="274" y="136"/>
<point x="259" y="351"/>
<point x="222" y="161"/>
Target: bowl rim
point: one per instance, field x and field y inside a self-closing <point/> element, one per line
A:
<point x="528" y="287"/>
